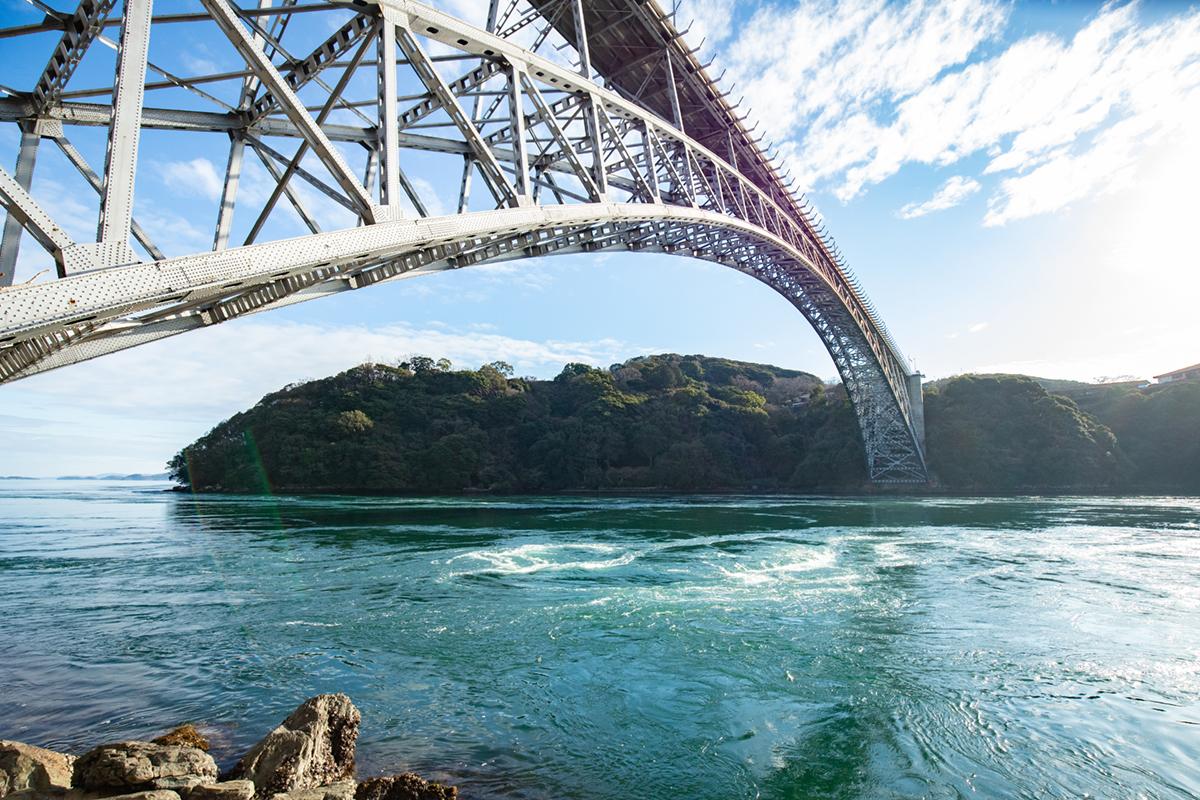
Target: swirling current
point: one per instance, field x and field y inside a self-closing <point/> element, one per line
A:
<point x="594" y="648"/>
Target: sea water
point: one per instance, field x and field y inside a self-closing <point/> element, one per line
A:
<point x="599" y="647"/>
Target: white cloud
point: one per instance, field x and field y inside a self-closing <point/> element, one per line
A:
<point x="130" y="411"/>
<point x="75" y="211"/>
<point x="199" y="65"/>
<point x="951" y="193"/>
<point x="471" y="11"/>
<point x="977" y="327"/>
<point x="160" y="376"/>
<point x="825" y="67"/>
<point x="195" y="177"/>
<point x="878" y="86"/>
<point x="429" y="197"/>
<point x="707" y="22"/>
<point x="171" y="232"/>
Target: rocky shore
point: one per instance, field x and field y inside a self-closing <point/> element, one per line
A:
<point x="309" y="756"/>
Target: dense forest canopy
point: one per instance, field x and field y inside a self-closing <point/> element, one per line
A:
<point x="681" y="423"/>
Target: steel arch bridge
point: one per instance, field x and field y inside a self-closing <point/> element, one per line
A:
<point x="589" y="124"/>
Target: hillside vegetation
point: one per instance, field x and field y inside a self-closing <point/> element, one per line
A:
<point x="1006" y="433"/>
<point x="1159" y="431"/>
<point x="680" y="423"/>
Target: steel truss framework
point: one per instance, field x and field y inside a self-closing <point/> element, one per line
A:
<point x="590" y="126"/>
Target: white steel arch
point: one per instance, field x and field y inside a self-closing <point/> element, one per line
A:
<point x="570" y="160"/>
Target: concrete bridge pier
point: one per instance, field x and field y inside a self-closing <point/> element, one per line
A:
<point x="916" y="403"/>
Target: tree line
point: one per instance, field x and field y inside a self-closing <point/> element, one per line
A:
<point x="677" y="423"/>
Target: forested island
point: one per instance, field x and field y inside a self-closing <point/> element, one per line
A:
<point x="683" y="423"/>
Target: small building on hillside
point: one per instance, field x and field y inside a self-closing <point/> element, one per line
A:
<point x="1191" y="373"/>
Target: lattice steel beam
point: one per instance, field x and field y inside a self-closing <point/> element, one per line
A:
<point x="252" y="51"/>
<point x="79" y="31"/>
<point x="434" y="82"/>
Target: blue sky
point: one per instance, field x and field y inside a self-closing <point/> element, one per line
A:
<point x="1013" y="184"/>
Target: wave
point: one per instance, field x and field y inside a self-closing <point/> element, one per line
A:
<point x="766" y="572"/>
<point x="529" y="558"/>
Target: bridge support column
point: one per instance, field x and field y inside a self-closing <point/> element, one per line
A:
<point x="120" y="161"/>
<point x="26" y="157"/>
<point x="916" y="403"/>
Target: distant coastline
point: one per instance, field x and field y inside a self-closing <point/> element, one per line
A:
<point x="108" y="476"/>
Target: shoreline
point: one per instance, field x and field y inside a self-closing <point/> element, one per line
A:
<point x="898" y="493"/>
<point x="310" y="755"/>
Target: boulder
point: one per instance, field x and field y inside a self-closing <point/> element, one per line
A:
<point x="339" y="790"/>
<point x="226" y="790"/>
<point x="408" y="786"/>
<point x="23" y="767"/>
<point x="144" y="766"/>
<point x="185" y="735"/>
<point x="59" y="793"/>
<point x="313" y="747"/>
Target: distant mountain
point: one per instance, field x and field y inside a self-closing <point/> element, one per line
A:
<point x="115" y="476"/>
<point x="682" y="423"/>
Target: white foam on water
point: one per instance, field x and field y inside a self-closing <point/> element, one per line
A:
<point x="530" y="558"/>
<point x="799" y="560"/>
<point x="902" y="552"/>
<point x="308" y="624"/>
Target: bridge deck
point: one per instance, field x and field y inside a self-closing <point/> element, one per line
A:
<point x="629" y="43"/>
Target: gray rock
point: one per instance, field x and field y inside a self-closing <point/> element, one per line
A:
<point x="182" y="784"/>
<point x="313" y="747"/>
<point x="59" y="793"/>
<point x="226" y="790"/>
<point x="408" y="786"/>
<point x="339" y="790"/>
<point x="144" y="766"/>
<point x="24" y="767"/>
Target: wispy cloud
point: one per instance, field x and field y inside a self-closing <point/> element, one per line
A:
<point x="978" y="327"/>
<point x="173" y="233"/>
<point x="75" y="211"/>
<point x="271" y="354"/>
<point x="951" y="193"/>
<point x="707" y="22"/>
<point x="132" y="410"/>
<point x="858" y="58"/>
<point x="197" y="176"/>
<point x="878" y="86"/>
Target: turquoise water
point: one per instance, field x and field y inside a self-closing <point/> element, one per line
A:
<point x="626" y="648"/>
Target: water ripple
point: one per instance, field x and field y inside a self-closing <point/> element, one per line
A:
<point x="708" y="648"/>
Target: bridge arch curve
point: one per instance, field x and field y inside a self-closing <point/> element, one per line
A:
<point x="585" y="161"/>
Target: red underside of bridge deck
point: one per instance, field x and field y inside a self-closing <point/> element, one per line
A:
<point x="629" y="42"/>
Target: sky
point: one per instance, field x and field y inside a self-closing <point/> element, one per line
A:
<point x="1013" y="184"/>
